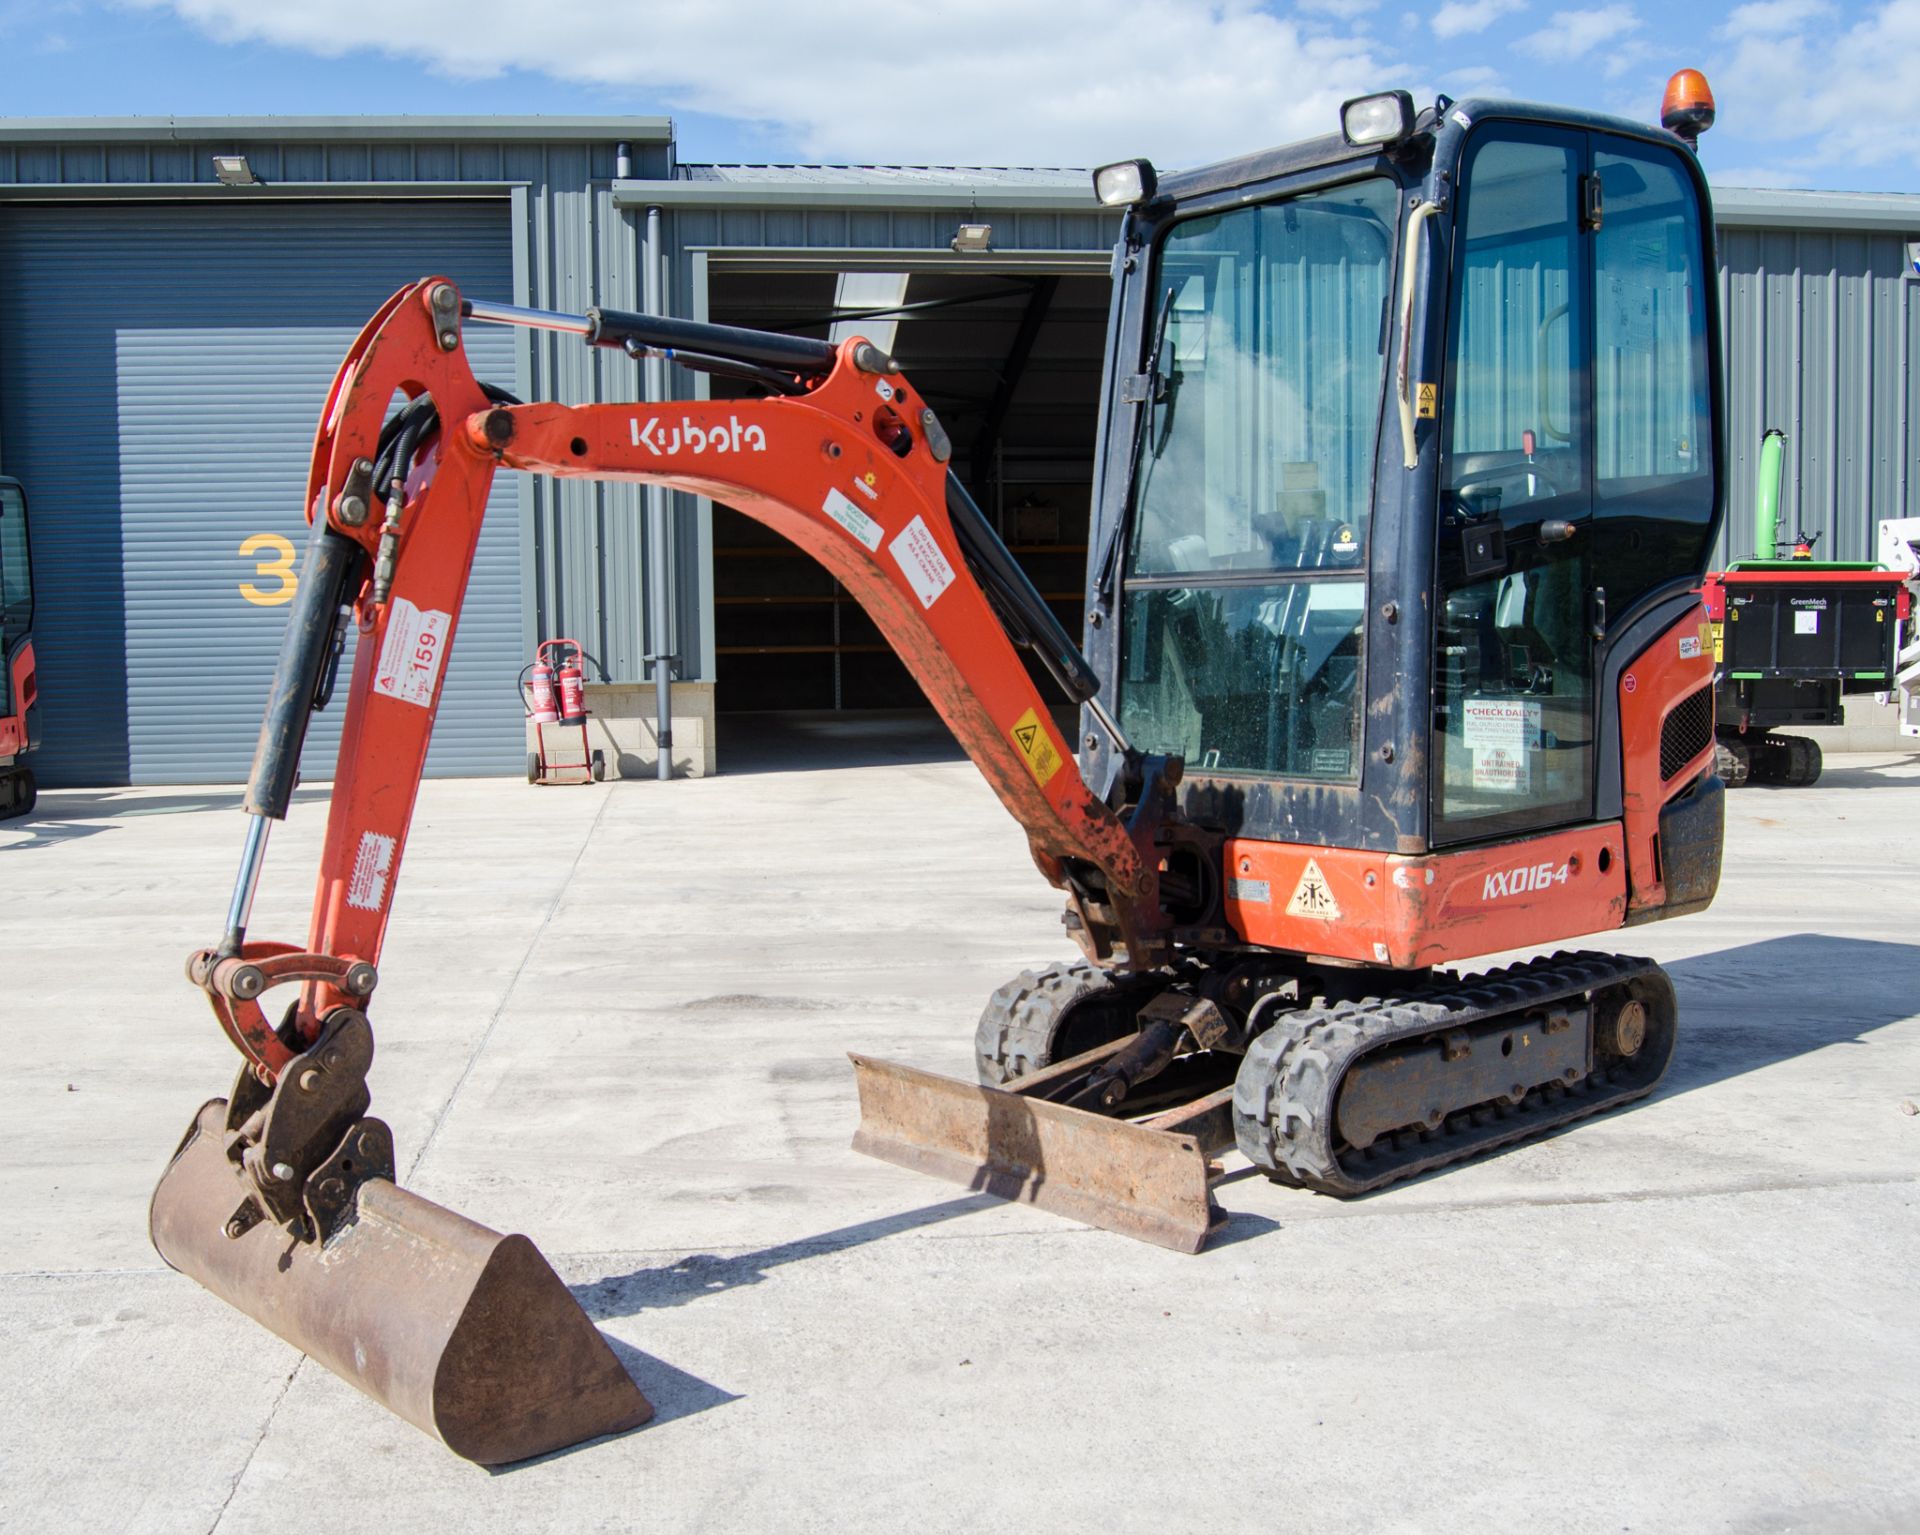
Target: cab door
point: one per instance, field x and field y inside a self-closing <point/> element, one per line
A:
<point x="1578" y="472"/>
<point x="1513" y="658"/>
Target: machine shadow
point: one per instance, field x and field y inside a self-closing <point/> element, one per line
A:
<point x="68" y="815"/>
<point x="702" y="1274"/>
<point x="1741" y="1010"/>
<point x="1747" y="1008"/>
<point x="674" y="1394"/>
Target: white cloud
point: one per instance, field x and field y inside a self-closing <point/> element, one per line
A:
<point x="1843" y="92"/>
<point x="1481" y="80"/>
<point x="1771" y="16"/>
<point x="972" y="81"/>
<point x="1574" y="34"/>
<point x="1458" y="18"/>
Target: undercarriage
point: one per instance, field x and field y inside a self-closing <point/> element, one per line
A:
<point x="1341" y="1080"/>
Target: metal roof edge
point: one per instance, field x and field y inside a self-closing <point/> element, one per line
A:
<point x="213" y="191"/>
<point x="1061" y="197"/>
<point x="1770" y="208"/>
<point x="257" y="130"/>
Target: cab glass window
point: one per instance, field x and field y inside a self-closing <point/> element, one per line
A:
<point x="1245" y="592"/>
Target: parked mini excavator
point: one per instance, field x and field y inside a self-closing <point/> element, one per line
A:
<point x="1409" y="469"/>
<point x="19" y="676"/>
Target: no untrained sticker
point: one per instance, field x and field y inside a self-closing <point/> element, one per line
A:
<point x="412" y="653"/>
<point x="367" y="890"/>
<point x="1036" y="747"/>
<point x="855" y="521"/>
<point x="921" y="561"/>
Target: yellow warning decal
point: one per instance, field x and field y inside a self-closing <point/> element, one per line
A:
<point x="1036" y="747"/>
<point x="1427" y="401"/>
<point x="1312" y="897"/>
<point x="1719" y="644"/>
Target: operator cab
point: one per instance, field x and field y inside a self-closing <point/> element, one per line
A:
<point x="1408" y="444"/>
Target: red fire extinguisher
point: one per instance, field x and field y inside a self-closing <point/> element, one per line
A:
<point x="542" y="711"/>
<point x="572" y="682"/>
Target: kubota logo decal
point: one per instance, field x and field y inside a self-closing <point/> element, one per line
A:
<point x="667" y="440"/>
<point x="1519" y="881"/>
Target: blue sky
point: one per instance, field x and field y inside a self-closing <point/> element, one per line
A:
<point x="1071" y="82"/>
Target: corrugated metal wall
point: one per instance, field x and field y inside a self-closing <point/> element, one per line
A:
<point x="1822" y="332"/>
<point x="164" y="366"/>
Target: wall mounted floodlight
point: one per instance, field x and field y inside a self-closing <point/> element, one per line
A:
<point x="233" y="171"/>
<point x="973" y="239"/>
<point x="1126" y="183"/>
<point x="1386" y="117"/>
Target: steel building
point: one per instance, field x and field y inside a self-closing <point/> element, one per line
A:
<point x="174" y="294"/>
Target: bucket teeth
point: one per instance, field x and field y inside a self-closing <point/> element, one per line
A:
<point x="463" y="1332"/>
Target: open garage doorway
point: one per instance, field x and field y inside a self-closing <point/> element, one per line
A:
<point x="1011" y="360"/>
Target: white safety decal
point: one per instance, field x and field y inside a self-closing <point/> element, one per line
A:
<point x="410" y="657"/>
<point x="367" y="890"/>
<point x="1312" y="898"/>
<point x="1253" y="891"/>
<point x="1498" y="732"/>
<point x="920" y="560"/>
<point x="1689" y="647"/>
<point x="855" y="521"/>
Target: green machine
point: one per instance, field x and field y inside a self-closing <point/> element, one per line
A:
<point x="1792" y="636"/>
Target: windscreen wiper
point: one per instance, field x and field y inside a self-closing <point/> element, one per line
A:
<point x="1145" y="389"/>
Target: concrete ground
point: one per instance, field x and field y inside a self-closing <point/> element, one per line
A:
<point x="615" y="1017"/>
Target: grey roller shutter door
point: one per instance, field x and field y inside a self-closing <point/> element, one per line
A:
<point x="161" y="369"/>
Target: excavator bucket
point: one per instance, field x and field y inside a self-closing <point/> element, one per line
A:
<point x="1148" y="1179"/>
<point x="463" y="1332"/>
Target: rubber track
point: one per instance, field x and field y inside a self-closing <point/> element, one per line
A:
<point x="1284" y="1096"/>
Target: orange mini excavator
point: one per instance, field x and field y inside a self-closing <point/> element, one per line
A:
<point x="1409" y="468"/>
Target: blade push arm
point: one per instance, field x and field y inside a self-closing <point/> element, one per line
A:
<point x="850" y="466"/>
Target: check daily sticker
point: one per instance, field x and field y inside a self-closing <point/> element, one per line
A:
<point x="855" y="521"/>
<point x="918" y="555"/>
<point x="412" y="653"/>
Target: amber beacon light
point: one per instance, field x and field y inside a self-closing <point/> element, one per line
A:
<point x="1687" y="108"/>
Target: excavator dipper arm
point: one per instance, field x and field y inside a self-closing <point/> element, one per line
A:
<point x="281" y="1197"/>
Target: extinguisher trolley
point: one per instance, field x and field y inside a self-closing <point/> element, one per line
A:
<point x="553" y="688"/>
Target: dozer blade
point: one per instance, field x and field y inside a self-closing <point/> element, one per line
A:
<point x="463" y="1332"/>
<point x="1147" y="1180"/>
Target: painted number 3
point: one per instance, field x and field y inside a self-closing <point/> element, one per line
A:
<point x="272" y="554"/>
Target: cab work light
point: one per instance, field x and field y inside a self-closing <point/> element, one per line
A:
<point x="1125" y="183"/>
<point x="1384" y="118"/>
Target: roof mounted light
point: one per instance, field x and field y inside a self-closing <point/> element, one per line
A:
<point x="1687" y="108"/>
<point x="233" y="171"/>
<point x="972" y="240"/>
<point x="1126" y="183"/>
<point x="1383" y="118"/>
